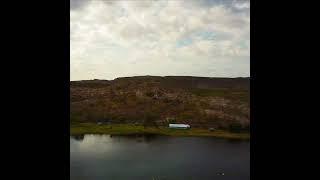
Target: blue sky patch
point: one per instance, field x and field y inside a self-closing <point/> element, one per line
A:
<point x="184" y="42"/>
<point x="203" y="35"/>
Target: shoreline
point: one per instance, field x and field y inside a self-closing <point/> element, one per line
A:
<point x="127" y="129"/>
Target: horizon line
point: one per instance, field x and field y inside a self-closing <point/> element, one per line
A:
<point x="159" y="76"/>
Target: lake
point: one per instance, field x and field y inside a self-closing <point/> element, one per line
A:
<point x="105" y="157"/>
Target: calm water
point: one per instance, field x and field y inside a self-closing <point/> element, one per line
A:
<point x="95" y="157"/>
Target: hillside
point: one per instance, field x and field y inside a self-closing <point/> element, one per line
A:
<point x="153" y="100"/>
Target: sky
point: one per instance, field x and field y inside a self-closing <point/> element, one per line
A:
<point x="110" y="39"/>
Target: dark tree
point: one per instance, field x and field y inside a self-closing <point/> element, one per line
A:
<point x="150" y="119"/>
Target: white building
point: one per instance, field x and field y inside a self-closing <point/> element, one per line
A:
<point x="179" y="126"/>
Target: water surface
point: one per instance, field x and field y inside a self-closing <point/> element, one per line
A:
<point x="101" y="157"/>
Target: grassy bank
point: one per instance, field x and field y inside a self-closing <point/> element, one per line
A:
<point x="127" y="129"/>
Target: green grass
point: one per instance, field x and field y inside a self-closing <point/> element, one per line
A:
<point x="127" y="129"/>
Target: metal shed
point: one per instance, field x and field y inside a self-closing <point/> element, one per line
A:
<point x="179" y="126"/>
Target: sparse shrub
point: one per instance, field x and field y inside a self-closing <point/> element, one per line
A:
<point x="236" y="128"/>
<point x="149" y="94"/>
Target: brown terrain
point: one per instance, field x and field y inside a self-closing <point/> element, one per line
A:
<point x="199" y="101"/>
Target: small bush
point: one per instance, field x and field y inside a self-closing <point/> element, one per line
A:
<point x="236" y="128"/>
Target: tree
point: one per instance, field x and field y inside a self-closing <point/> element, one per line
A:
<point x="150" y="119"/>
<point x="235" y="127"/>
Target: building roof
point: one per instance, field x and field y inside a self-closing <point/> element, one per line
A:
<point x="179" y="125"/>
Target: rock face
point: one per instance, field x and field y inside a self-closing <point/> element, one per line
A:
<point x="198" y="101"/>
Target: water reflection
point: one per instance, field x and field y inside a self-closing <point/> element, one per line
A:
<point x="150" y="156"/>
<point x="78" y="137"/>
<point x="137" y="137"/>
<point x="236" y="140"/>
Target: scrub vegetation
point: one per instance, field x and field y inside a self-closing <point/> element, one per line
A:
<point x="149" y="103"/>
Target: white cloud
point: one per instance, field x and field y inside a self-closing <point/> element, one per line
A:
<point x="124" y="38"/>
<point x="241" y="4"/>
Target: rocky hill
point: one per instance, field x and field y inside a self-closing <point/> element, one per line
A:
<point x="198" y="101"/>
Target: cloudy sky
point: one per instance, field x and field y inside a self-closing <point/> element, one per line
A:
<point x="112" y="39"/>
